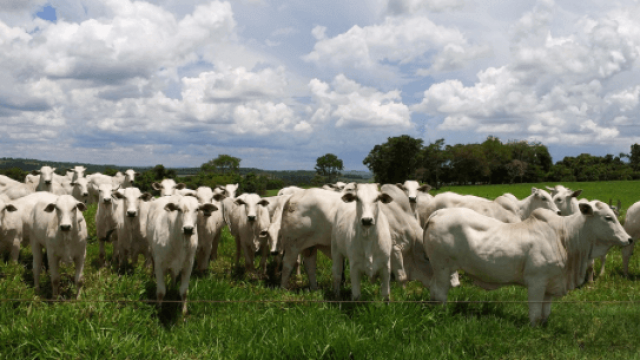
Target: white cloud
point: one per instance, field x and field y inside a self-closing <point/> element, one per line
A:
<point x="397" y="7"/>
<point x="354" y="105"/>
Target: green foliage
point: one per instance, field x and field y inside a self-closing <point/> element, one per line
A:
<point x="329" y="166"/>
<point x="394" y="161"/>
<point x="110" y="171"/>
<point x="222" y="164"/>
<point x="15" y="173"/>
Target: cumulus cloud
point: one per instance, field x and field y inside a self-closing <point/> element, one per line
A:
<point x="560" y="88"/>
<point x="354" y="105"/>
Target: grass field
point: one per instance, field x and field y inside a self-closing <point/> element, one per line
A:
<point x="600" y="321"/>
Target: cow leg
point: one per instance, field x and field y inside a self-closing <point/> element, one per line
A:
<point x="310" y="255"/>
<point x="184" y="286"/>
<point x="79" y="278"/>
<point x="536" y="298"/>
<point x="298" y="262"/>
<point x="103" y="253"/>
<point x="627" y="251"/>
<point x="238" y="250"/>
<point x="397" y="264"/>
<point x="37" y="265"/>
<point x="603" y="260"/>
<point x="385" y="275"/>
<point x="161" y="288"/>
<point x="337" y="261"/>
<point x="263" y="260"/>
<point x="203" y="255"/>
<point x="248" y="258"/>
<point x="454" y="279"/>
<point x="546" y="308"/>
<point x="590" y="270"/>
<point x="15" y="250"/>
<point x="214" y="246"/>
<point x="440" y="284"/>
<point x="54" y="271"/>
<point x="288" y="261"/>
<point x="355" y="274"/>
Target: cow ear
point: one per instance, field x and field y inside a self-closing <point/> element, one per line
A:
<point x="11" y="208"/>
<point x="82" y="207"/>
<point x="171" y="207"/>
<point x="400" y="186"/>
<point x="146" y="197"/>
<point x="117" y="194"/>
<point x="54" y="169"/>
<point x="385" y="198"/>
<point x="239" y="202"/>
<point x="180" y="186"/>
<point x="586" y="209"/>
<point x="219" y="197"/>
<point x="156" y="186"/>
<point x="425" y="188"/>
<point x="348" y="197"/>
<point x="50" y="207"/>
<point x="71" y="170"/>
<point x="550" y="188"/>
<point x="35" y="172"/>
<point x="208" y="207"/>
<point x="576" y="193"/>
<point x="263" y="202"/>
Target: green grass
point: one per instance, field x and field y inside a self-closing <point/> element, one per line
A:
<point x="578" y="327"/>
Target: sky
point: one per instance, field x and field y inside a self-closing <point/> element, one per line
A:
<point x="281" y="83"/>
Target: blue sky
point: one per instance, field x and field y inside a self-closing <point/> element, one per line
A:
<point x="280" y="83"/>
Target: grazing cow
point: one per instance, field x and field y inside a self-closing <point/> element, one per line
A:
<point x="361" y="233"/>
<point x="59" y="227"/>
<point x="8" y="243"/>
<point x="106" y="221"/>
<point x="249" y="224"/>
<point x="289" y="190"/>
<point x="210" y="224"/>
<point x="168" y="187"/>
<point x="131" y="215"/>
<point x="173" y="236"/>
<point x="539" y="199"/>
<point x="546" y="253"/>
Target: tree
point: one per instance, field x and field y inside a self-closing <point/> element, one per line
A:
<point x="222" y="164"/>
<point x="394" y="161"/>
<point x="634" y="157"/>
<point x="433" y="159"/>
<point x="329" y="165"/>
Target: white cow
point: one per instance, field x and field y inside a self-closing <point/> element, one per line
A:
<point x="546" y="253"/>
<point x="632" y="226"/>
<point x="45" y="183"/>
<point x="79" y="189"/>
<point x="59" y="227"/>
<point x="210" y="224"/>
<point x="480" y="205"/>
<point x="94" y="182"/>
<point x="131" y="225"/>
<point x="539" y="199"/>
<point x="127" y="179"/>
<point x="173" y="236"/>
<point x="289" y="190"/>
<point x="18" y="224"/>
<point x="566" y="200"/>
<point x="361" y="233"/>
<point x="7" y="231"/>
<point x="339" y="186"/>
<point x="418" y="196"/>
<point x="249" y="223"/>
<point x="106" y="221"/>
<point x="168" y="187"/>
<point x="6" y="181"/>
<point x="77" y="172"/>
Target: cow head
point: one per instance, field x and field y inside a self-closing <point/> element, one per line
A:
<point x="46" y="175"/>
<point x="230" y="190"/>
<point x="251" y="203"/>
<point x="205" y="195"/>
<point x="168" y="187"/>
<point x="187" y="208"/>
<point x="564" y="200"/>
<point x="541" y="199"/>
<point x="105" y="193"/>
<point x="77" y="173"/>
<point x="131" y="199"/>
<point x="412" y="188"/>
<point x="80" y="189"/>
<point x="367" y="197"/>
<point x="66" y="208"/>
<point x="130" y="177"/>
<point x="603" y="225"/>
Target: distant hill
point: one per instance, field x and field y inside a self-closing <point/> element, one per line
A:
<point x="294" y="176"/>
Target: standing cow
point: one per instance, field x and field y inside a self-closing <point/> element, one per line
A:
<point x="249" y="225"/>
<point x="210" y="224"/>
<point x="131" y="215"/>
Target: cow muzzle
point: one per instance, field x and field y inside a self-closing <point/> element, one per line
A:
<point x="630" y="241"/>
<point x="65" y="227"/>
<point x="412" y="199"/>
<point x="251" y="218"/>
<point x="367" y="221"/>
<point x="188" y="230"/>
<point x="48" y="182"/>
<point x="131" y="213"/>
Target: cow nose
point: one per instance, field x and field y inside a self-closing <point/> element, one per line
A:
<point x="412" y="199"/>
<point x="251" y="217"/>
<point x="85" y="194"/>
<point x="367" y="221"/>
<point x="274" y="253"/>
<point x="132" y="213"/>
<point x="630" y="241"/>
<point x="188" y="229"/>
<point x="559" y="212"/>
<point x="65" y="227"/>
<point x="48" y="182"/>
<point x="107" y="200"/>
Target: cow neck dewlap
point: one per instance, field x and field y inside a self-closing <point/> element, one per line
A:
<point x="578" y="243"/>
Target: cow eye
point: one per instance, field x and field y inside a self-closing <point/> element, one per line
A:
<point x="558" y="200"/>
<point x="609" y="218"/>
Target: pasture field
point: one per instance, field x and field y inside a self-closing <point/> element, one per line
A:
<point x="258" y="320"/>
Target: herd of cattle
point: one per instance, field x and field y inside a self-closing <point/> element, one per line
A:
<point x="546" y="242"/>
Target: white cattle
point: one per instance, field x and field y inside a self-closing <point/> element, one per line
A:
<point x="480" y="205"/>
<point x="556" y="189"/>
<point x="289" y="190"/>
<point x="339" y="186"/>
<point x="17" y="224"/>
<point x="93" y="185"/>
<point x="566" y="200"/>
<point x="131" y="225"/>
<point x="45" y="183"/>
<point x="129" y="178"/>
<point x="361" y="233"/>
<point x="210" y="224"/>
<point x="546" y="253"/>
<point x="59" y="227"/>
<point x="632" y="226"/>
<point x="79" y="189"/>
<point x="106" y="221"/>
<point x="229" y="190"/>
<point x="249" y="223"/>
<point x="539" y="199"/>
<point x="6" y="181"/>
<point x="168" y="187"/>
<point x="7" y="231"/>
<point x="77" y="172"/>
<point x="418" y="196"/>
<point x="173" y="236"/>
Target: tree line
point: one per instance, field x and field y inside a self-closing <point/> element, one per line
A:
<point x="491" y="162"/>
